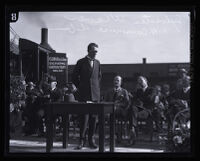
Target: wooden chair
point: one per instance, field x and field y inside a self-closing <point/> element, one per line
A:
<point x="144" y="123"/>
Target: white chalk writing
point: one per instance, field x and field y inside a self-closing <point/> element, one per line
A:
<point x="57" y="59"/>
<point x="102" y="24"/>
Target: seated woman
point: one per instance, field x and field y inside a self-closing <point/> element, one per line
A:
<point x="120" y="97"/>
<point x="144" y="99"/>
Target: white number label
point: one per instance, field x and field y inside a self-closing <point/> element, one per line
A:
<point x="13" y="16"/>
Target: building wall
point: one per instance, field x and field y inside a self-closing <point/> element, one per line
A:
<point x="156" y="73"/>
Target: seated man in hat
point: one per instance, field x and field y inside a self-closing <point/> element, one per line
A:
<point x="30" y="111"/>
<point x="53" y="94"/>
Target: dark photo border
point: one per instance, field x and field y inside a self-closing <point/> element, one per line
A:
<point x="193" y="8"/>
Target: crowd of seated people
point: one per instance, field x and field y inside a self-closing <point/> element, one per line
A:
<point x="31" y="109"/>
<point x="154" y="104"/>
<point x="37" y="95"/>
<point x="145" y="99"/>
<point x="123" y="110"/>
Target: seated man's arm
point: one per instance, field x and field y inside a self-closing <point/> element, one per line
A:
<point x="123" y="99"/>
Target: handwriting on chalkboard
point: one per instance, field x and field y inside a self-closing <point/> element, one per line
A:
<point x="143" y="25"/>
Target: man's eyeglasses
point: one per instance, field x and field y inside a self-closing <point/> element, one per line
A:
<point x="93" y="51"/>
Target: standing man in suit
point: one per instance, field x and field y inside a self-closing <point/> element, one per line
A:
<point x="86" y="77"/>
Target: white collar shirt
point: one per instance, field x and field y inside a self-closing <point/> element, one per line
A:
<point x="91" y="61"/>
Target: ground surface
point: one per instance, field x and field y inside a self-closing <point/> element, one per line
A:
<point x="35" y="144"/>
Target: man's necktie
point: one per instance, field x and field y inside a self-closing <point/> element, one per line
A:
<point x="91" y="63"/>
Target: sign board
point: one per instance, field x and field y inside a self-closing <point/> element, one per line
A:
<point x="58" y="67"/>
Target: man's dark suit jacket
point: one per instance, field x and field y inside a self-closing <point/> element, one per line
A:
<point x="145" y="99"/>
<point x="180" y="94"/>
<point x="122" y="97"/>
<point x="87" y="79"/>
<point x="55" y="95"/>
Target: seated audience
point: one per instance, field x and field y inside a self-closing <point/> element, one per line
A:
<point x="158" y="110"/>
<point x="180" y="98"/>
<point x="165" y="98"/>
<point x="44" y="85"/>
<point x="55" y="93"/>
<point x="182" y="74"/>
<point x="69" y="93"/>
<point x="120" y="97"/>
<point x="52" y="94"/>
<point x="144" y="98"/>
<point x="30" y="112"/>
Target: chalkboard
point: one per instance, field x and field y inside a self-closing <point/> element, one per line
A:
<point x="58" y="67"/>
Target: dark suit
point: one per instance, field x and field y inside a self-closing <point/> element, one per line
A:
<point x="87" y="80"/>
<point x="176" y="104"/>
<point x="180" y="94"/>
<point x="145" y="98"/>
<point x="30" y="112"/>
<point x="124" y="111"/>
<point x="121" y="98"/>
<point x="55" y="95"/>
<point x="144" y="101"/>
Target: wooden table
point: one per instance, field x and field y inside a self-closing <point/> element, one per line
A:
<point x="64" y="109"/>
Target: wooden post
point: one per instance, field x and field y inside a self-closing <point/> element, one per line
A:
<point x="144" y="67"/>
<point x="66" y="70"/>
<point x="37" y="65"/>
<point x="20" y="59"/>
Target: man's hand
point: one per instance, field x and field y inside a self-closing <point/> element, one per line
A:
<point x="47" y="96"/>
